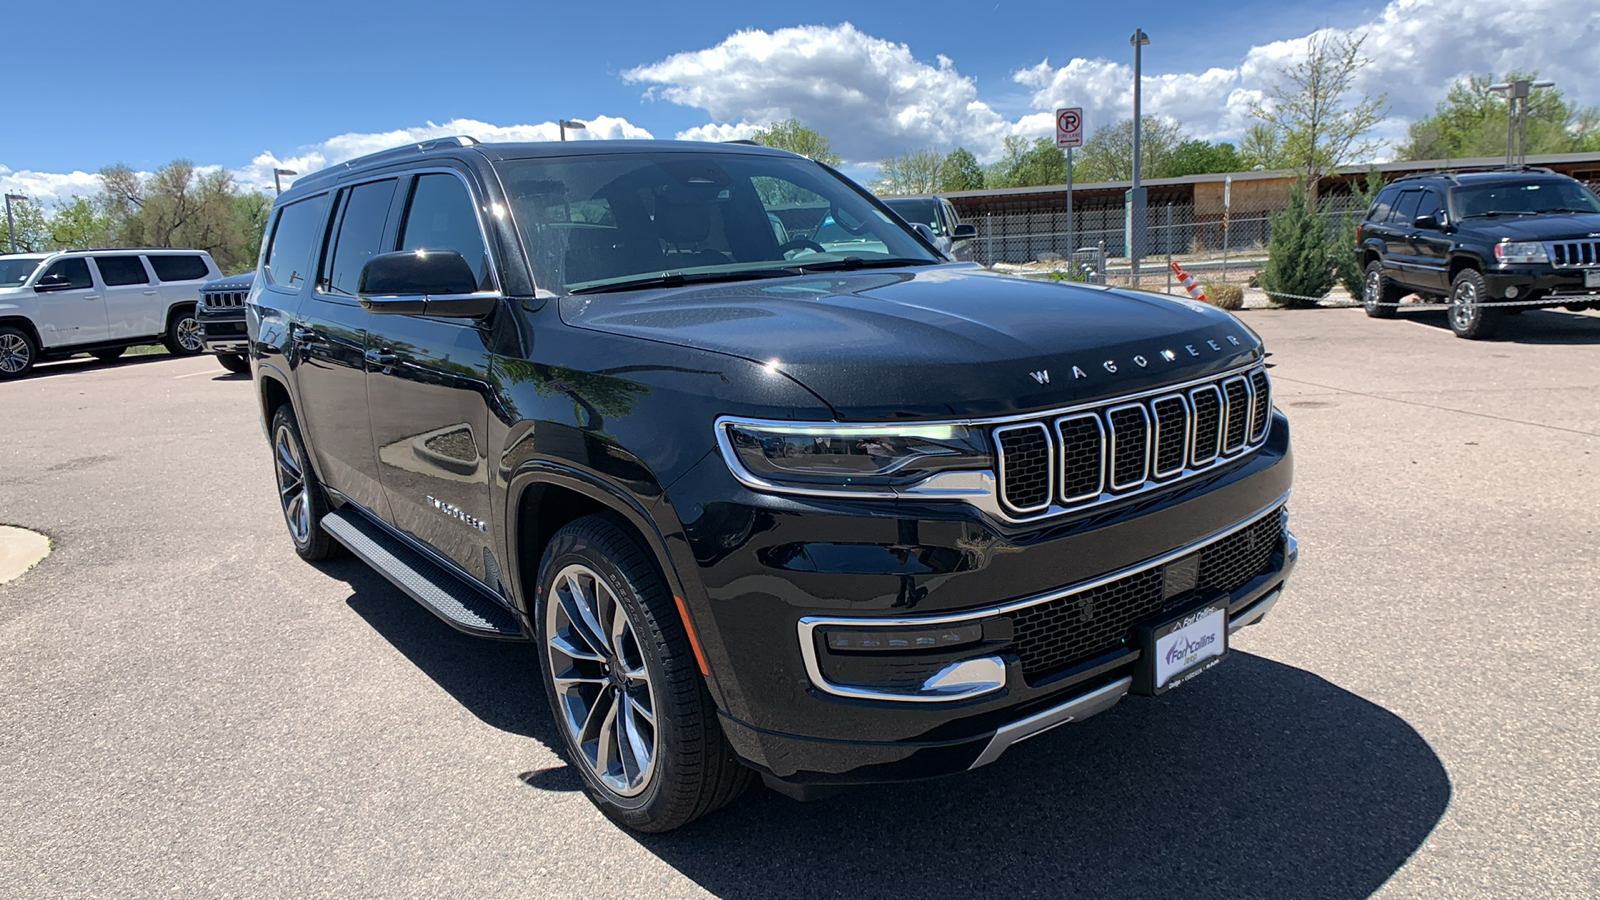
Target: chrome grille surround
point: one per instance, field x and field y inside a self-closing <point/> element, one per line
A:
<point x="1223" y="418"/>
<point x="1574" y="254"/>
<point x="223" y="299"/>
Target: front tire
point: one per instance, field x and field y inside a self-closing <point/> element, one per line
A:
<point x="1468" y="318"/>
<point x="183" y="333"/>
<point x="300" y="494"/>
<point x="635" y="718"/>
<point x="18" y="352"/>
<point x="234" y="362"/>
<point x="1377" y="291"/>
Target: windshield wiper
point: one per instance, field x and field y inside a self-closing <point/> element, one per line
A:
<point x="1500" y="212"/>
<point x="1567" y="210"/>
<point x="678" y="279"/>
<point x="856" y="262"/>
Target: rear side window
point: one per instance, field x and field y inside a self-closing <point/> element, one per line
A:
<point x="75" y="271"/>
<point x="179" y="268"/>
<point x="1384" y="203"/>
<point x="441" y="217"/>
<point x="295" y="235"/>
<point x="1405" y="209"/>
<point x="366" y="212"/>
<point x="118" y="270"/>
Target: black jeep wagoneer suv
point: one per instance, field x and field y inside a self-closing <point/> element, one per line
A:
<point x="770" y="485"/>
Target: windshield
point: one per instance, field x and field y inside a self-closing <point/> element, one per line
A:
<point x="593" y="222"/>
<point x="14" y="271"/>
<point x="917" y="212"/>
<point x="1526" y="198"/>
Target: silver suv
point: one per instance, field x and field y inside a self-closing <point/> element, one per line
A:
<point x="100" y="302"/>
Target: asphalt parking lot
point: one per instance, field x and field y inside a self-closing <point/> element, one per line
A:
<point x="186" y="709"/>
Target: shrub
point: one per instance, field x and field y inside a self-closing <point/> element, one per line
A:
<point x="1223" y="295"/>
<point x="1346" y="255"/>
<point x="1297" y="255"/>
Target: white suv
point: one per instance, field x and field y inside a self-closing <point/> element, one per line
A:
<point x="100" y="302"/>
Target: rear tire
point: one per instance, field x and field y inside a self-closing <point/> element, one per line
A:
<point x="1468" y="318"/>
<point x="18" y="352"/>
<point x="234" y="362"/>
<point x="635" y="718"/>
<point x="108" y="355"/>
<point x="183" y="333"/>
<point x="300" y="494"/>
<point x="1377" y="290"/>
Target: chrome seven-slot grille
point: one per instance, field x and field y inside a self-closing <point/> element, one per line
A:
<point x="224" y="299"/>
<point x="1093" y="455"/>
<point x="1574" y="254"/>
<point x="1069" y="630"/>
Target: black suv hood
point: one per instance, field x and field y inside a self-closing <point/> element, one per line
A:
<point x="938" y="341"/>
<point x="1547" y="227"/>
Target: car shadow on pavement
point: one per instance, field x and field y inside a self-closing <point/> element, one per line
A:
<point x="1258" y="780"/>
<point x="1535" y="326"/>
<point x="74" y="364"/>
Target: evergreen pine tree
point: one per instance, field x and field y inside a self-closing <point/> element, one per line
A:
<point x="1298" y="262"/>
<point x="1346" y="255"/>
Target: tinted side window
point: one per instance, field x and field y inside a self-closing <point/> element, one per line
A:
<point x="441" y="217"/>
<point x="366" y="212"/>
<point x="294" y="236"/>
<point x="1384" y="203"/>
<point x="76" y="271"/>
<point x="115" y="270"/>
<point x="179" y="268"/>
<point x="1405" y="209"/>
<point x="1431" y="204"/>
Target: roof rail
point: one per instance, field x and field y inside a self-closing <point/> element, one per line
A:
<point x="1452" y="173"/>
<point x="746" y="142"/>
<point x="456" y="140"/>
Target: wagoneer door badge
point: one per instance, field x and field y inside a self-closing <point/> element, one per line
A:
<point x="455" y="512"/>
<point x="1143" y="362"/>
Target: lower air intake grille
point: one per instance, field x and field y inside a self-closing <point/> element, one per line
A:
<point x="1064" y="632"/>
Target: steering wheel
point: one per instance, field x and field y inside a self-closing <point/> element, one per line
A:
<point x="800" y="244"/>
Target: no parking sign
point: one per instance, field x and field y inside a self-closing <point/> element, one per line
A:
<point x="1069" y="127"/>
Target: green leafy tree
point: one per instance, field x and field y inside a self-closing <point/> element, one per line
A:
<point x="1262" y="148"/>
<point x="1471" y="122"/>
<point x="1298" y="261"/>
<point x="33" y="229"/>
<point x="1200" y="158"/>
<point x="181" y="205"/>
<point x="961" y="172"/>
<point x="1028" y="165"/>
<point x="1346" y="255"/>
<point x="1311" y="114"/>
<point x="1108" y="153"/>
<point x="912" y="172"/>
<point x="790" y="135"/>
<point x="79" y="223"/>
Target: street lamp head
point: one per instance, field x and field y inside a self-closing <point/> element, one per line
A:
<point x="17" y="197"/>
<point x="573" y="123"/>
<point x="1139" y="38"/>
<point x="284" y="172"/>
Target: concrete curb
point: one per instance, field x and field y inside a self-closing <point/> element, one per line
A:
<point x="20" y="550"/>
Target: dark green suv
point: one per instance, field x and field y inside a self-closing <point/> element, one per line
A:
<point x="1528" y="236"/>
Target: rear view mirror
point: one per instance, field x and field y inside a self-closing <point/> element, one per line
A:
<point x="964" y="231"/>
<point x="1429" y="222"/>
<point x="426" y="282"/>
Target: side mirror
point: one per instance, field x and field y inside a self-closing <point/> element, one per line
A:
<point x="964" y="231"/>
<point x="1429" y="222"/>
<point x="423" y="282"/>
<point x="52" y="283"/>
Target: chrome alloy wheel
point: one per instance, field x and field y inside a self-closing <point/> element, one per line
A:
<point x="294" y="491"/>
<point x="15" y="354"/>
<point x="1463" y="304"/>
<point x="188" y="334"/>
<point x="602" y="686"/>
<point x="1372" y="290"/>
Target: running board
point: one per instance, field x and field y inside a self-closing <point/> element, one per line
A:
<point x="441" y="592"/>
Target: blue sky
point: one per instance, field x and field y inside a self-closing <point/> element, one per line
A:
<point x="307" y="84"/>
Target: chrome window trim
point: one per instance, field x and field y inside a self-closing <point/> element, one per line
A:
<point x="1195" y="461"/>
<point x="1111" y="451"/>
<point x="807" y="625"/>
<point x="1155" y="436"/>
<point x="1100" y="483"/>
<point x="1049" y="468"/>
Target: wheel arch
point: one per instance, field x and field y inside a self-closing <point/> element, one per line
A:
<point x="1459" y="261"/>
<point x="25" y="324"/>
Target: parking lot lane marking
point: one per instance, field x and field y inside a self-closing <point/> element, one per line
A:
<point x="193" y="374"/>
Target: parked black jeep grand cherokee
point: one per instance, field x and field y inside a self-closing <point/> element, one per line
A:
<point x="1525" y="235"/>
<point x="833" y="510"/>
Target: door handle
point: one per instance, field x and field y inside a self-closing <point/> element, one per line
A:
<point x="148" y="293"/>
<point x="302" y="335"/>
<point x="380" y="358"/>
<point x="91" y="296"/>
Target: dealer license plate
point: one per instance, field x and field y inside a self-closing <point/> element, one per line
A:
<point x="1591" y="278"/>
<point x="1178" y="650"/>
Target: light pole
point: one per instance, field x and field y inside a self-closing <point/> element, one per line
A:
<point x="277" y="187"/>
<point x="1517" y="93"/>
<point x="571" y="123"/>
<point x="11" y="225"/>
<point x="1133" y="215"/>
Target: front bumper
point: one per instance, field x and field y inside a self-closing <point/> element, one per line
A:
<point x="1536" y="282"/>
<point x="222" y="331"/>
<point x="765" y="567"/>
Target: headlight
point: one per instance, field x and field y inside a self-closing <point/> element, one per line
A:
<point x="850" y="458"/>
<point x="1521" y="252"/>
